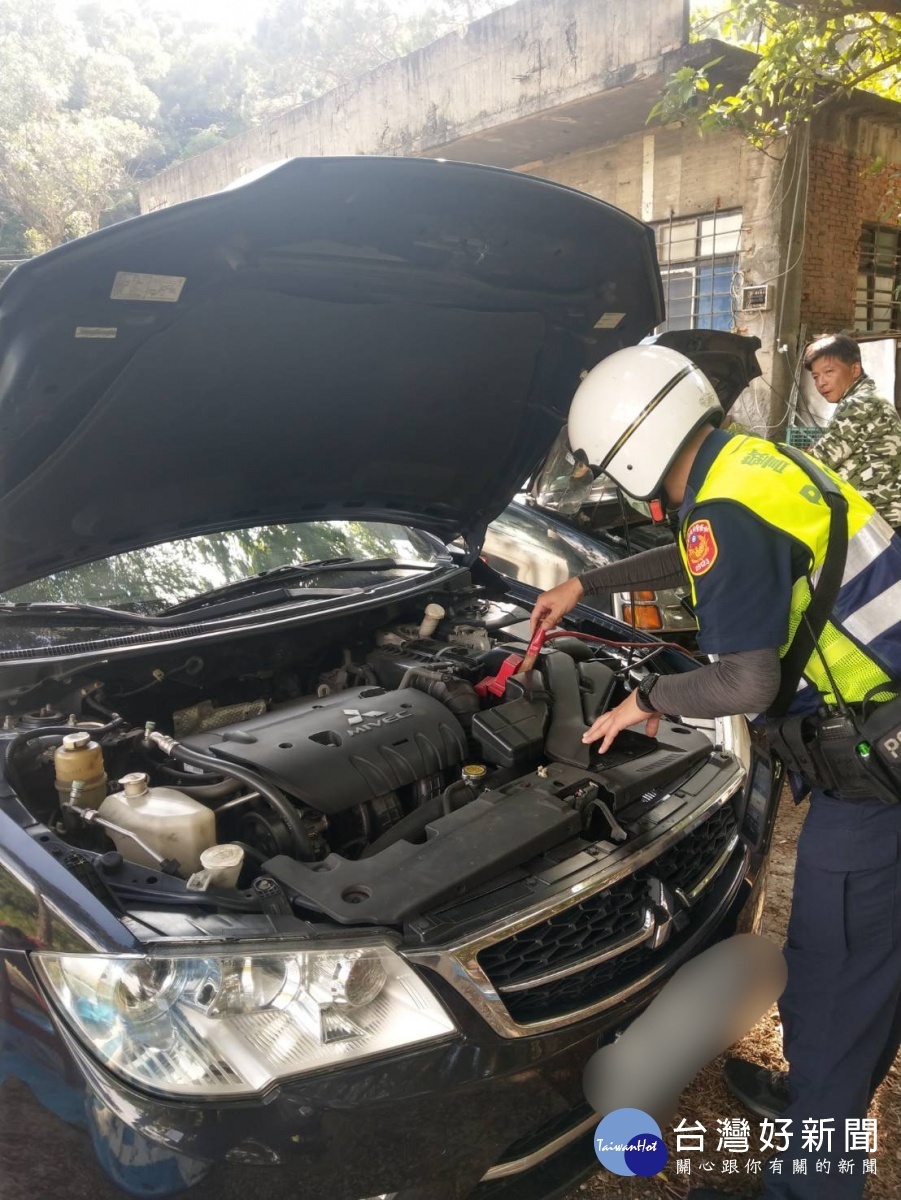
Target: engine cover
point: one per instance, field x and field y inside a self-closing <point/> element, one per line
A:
<point x="340" y="751"/>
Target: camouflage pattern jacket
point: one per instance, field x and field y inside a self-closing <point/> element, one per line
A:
<point x="862" y="443"/>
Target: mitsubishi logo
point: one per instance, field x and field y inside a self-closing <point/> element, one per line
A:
<point x="666" y="918"/>
<point x="355" y="717"/>
<point x="363" y="722"/>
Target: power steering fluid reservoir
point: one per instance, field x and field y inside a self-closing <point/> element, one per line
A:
<point x="167" y="821"/>
<point x="80" y="760"/>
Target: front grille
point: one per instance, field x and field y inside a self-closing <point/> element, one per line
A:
<point x="586" y="928"/>
<point x="689" y="860"/>
<point x="576" y="991"/>
<point x="569" y="935"/>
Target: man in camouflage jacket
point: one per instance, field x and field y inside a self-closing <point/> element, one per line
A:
<point x="862" y="442"/>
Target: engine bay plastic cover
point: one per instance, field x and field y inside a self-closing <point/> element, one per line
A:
<point x="342" y="750"/>
<point x="467" y="848"/>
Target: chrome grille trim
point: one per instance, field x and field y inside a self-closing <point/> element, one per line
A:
<point x="457" y="962"/>
<point x="689" y="897"/>
<point x="516" y="1166"/>
<point x="574" y="968"/>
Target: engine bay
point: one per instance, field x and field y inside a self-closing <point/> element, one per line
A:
<point x="362" y="777"/>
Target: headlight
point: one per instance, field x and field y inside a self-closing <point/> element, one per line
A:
<point x="735" y="737"/>
<point x="231" y="1025"/>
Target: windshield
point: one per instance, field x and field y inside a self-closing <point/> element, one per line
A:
<point x="149" y="580"/>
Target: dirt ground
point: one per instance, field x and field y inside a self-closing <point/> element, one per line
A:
<point x="708" y="1101"/>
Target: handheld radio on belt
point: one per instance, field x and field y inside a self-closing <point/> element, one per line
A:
<point x="853" y="750"/>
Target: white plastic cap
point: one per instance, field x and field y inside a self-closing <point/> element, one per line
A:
<point x="216" y="858"/>
<point x="224" y="863"/>
<point x="433" y="614"/>
<point x="76" y="741"/>
<point x="135" y="784"/>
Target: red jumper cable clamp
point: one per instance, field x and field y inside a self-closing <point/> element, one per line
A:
<point x="513" y="664"/>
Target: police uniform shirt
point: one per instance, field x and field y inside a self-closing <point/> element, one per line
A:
<point x="742" y="569"/>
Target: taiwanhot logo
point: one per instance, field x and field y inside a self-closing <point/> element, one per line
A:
<point x="629" y="1142"/>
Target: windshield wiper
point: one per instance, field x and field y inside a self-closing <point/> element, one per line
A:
<point x="292" y="571"/>
<point x="52" y="610"/>
<point x="242" y="595"/>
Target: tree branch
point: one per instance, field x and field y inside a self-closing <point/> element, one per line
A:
<point x="841" y="88"/>
<point x="891" y="8"/>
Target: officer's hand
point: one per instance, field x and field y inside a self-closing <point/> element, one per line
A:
<point x="617" y="719"/>
<point x="551" y="606"/>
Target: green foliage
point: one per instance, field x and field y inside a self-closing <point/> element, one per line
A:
<point x="810" y="53"/>
<point x="72" y="116"/>
<point x="92" y="102"/>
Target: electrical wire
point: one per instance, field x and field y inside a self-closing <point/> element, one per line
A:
<point x="628" y="538"/>
<point x="600" y="641"/>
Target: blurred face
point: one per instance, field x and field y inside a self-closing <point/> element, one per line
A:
<point x="833" y="377"/>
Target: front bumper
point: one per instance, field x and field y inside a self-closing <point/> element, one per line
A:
<point x="480" y="1116"/>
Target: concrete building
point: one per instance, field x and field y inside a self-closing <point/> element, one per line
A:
<point x="782" y="245"/>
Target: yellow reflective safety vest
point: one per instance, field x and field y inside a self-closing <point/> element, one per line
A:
<point x="862" y="641"/>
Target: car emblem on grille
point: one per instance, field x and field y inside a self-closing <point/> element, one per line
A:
<point x="664" y="907"/>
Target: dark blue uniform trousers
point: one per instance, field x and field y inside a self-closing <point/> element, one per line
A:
<point x="841" y="1008"/>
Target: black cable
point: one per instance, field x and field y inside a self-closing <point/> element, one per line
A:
<point x="28" y="735"/>
<point x="628" y="539"/>
<point x="195" y="778"/>
<point x="60" y="731"/>
<point x="268" y="792"/>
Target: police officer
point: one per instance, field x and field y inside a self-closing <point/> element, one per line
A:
<point x="753" y="536"/>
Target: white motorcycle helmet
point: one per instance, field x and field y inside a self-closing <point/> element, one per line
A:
<point x="633" y="412"/>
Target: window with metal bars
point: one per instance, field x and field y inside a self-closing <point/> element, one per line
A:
<point x="877" y="302"/>
<point x="698" y="263"/>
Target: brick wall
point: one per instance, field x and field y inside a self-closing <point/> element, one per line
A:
<point x="843" y="196"/>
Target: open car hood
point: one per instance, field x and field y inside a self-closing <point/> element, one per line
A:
<point x="390" y="339"/>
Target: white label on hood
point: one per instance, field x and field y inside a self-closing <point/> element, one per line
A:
<point x="608" y="320"/>
<point x="95" y="331"/>
<point x="132" y="285"/>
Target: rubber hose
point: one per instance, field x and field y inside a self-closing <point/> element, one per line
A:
<point x="268" y="792"/>
<point x="195" y="779"/>
<point x="210" y="793"/>
<point x="28" y="735"/>
<point x="458" y="696"/>
<point x="60" y="731"/>
<point x="447" y="796"/>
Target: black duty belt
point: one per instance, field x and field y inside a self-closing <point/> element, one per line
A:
<point x="855" y="754"/>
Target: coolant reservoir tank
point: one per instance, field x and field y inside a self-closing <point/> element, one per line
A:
<point x="169" y="822"/>
<point x="80" y="760"/>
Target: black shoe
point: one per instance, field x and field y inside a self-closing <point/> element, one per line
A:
<point x="759" y="1089"/>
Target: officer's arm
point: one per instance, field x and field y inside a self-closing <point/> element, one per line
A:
<point x="651" y="570"/>
<point x="746" y="682"/>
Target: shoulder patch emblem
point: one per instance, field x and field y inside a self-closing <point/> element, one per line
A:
<point x="701" y="547"/>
